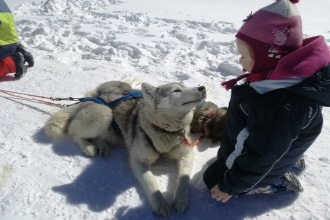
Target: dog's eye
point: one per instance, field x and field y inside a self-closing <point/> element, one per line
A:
<point x="177" y="90"/>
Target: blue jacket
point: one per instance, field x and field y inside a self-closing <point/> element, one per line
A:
<point x="270" y="124"/>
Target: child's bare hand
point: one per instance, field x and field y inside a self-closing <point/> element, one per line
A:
<point x="218" y="195"/>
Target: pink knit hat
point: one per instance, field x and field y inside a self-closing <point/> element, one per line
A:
<point x="272" y="32"/>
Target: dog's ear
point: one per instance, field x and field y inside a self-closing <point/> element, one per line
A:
<point x="148" y="91"/>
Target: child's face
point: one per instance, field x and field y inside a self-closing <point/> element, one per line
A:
<point x="246" y="60"/>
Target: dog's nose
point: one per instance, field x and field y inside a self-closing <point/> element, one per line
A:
<point x="201" y="88"/>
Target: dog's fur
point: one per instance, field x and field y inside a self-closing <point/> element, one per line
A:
<point x="155" y="125"/>
<point x="209" y="120"/>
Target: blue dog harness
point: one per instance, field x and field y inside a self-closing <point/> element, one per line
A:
<point x="115" y="126"/>
<point x="99" y="100"/>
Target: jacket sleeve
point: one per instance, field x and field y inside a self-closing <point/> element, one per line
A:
<point x="8" y="32"/>
<point x="271" y="128"/>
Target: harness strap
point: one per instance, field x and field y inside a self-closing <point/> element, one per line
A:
<point x="130" y="95"/>
<point x="98" y="100"/>
<point x="150" y="141"/>
<point x="116" y="127"/>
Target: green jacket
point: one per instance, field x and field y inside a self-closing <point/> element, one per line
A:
<point x="8" y="33"/>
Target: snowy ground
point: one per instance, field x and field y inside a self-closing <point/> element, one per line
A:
<point x="79" y="44"/>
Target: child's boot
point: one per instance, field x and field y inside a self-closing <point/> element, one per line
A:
<point x="300" y="164"/>
<point x="19" y="61"/>
<point x="27" y="55"/>
<point x="291" y="182"/>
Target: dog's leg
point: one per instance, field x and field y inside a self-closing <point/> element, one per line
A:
<point x="91" y="121"/>
<point x="101" y="145"/>
<point x="87" y="147"/>
<point x="185" y="157"/>
<point x="147" y="180"/>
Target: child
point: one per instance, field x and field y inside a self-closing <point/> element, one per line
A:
<point x="13" y="55"/>
<point x="275" y="116"/>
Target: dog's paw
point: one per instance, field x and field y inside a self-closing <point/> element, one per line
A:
<point x="90" y="150"/>
<point x="181" y="203"/>
<point x="103" y="152"/>
<point x="159" y="205"/>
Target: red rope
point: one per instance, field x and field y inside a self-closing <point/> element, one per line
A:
<point x="16" y="95"/>
<point x="11" y="93"/>
<point x="192" y="144"/>
<point x="185" y="140"/>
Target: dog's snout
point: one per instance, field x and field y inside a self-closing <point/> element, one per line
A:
<point x="201" y="88"/>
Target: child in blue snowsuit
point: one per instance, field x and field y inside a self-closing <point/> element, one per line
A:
<point x="276" y="115"/>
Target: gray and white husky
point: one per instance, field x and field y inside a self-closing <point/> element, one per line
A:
<point x="153" y="124"/>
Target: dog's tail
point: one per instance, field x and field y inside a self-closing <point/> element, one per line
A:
<point x="57" y="125"/>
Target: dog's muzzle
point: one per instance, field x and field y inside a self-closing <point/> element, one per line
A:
<point x="201" y="88"/>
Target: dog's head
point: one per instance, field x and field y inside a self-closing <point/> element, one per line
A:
<point x="209" y="120"/>
<point x="214" y="127"/>
<point x="202" y="114"/>
<point x="173" y="98"/>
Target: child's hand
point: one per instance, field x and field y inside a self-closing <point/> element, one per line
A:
<point x="218" y="195"/>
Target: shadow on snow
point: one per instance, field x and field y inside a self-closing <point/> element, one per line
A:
<point x="99" y="185"/>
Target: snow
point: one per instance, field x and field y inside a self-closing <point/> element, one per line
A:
<point x="79" y="44"/>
